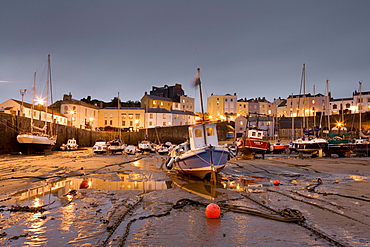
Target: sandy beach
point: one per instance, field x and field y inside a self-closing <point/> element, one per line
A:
<point x="81" y="199"/>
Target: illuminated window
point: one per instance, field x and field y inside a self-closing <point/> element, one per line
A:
<point x="210" y="131"/>
<point x="198" y="133"/>
<point x="123" y="115"/>
<point x="130" y="115"/>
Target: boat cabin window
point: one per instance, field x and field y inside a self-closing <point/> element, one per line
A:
<point x="210" y="131"/>
<point x="198" y="133"/>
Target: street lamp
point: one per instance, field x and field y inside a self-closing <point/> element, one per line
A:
<point x="72" y="112"/>
<point x="23" y="92"/>
<point x="91" y="122"/>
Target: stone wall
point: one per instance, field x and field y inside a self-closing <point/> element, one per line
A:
<point x="11" y="125"/>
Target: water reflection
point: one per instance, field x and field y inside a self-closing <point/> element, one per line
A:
<point x="46" y="194"/>
<point x="200" y="188"/>
<point x="247" y="184"/>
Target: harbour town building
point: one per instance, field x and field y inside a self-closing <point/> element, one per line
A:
<point x="19" y="108"/>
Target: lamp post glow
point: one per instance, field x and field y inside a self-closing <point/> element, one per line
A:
<point x="23" y="92"/>
<point x="72" y="112"/>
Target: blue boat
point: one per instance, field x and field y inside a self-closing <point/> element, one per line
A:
<point x="205" y="158"/>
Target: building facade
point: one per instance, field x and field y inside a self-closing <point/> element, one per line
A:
<point x="19" y="108"/>
<point x="80" y="114"/>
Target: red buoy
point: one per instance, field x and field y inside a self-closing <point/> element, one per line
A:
<point x="276" y="182"/>
<point x="213" y="211"/>
<point x="84" y="184"/>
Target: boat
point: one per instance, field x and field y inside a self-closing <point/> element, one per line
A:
<point x="205" y="158"/>
<point x="39" y="139"/>
<point x="362" y="145"/>
<point x="146" y="146"/>
<point x="252" y="143"/>
<point x="278" y="147"/>
<point x="100" y="146"/>
<point x="205" y="155"/>
<point x="70" y="145"/>
<point x="163" y="149"/>
<point x="116" y="146"/>
<point x="130" y="149"/>
<point x="311" y="146"/>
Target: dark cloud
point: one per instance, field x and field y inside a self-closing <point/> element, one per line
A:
<point x="253" y="48"/>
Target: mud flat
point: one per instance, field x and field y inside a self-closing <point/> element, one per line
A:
<point x="81" y="199"/>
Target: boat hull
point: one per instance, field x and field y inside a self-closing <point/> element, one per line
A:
<point x="250" y="147"/>
<point x="362" y="149"/>
<point x="202" y="162"/>
<point x="34" y="143"/>
<point x="279" y="148"/>
<point x="342" y="149"/>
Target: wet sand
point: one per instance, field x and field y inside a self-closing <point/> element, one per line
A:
<point x="130" y="201"/>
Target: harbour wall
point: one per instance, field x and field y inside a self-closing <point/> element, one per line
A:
<point x="12" y="125"/>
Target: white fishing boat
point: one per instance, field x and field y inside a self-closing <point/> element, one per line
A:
<point x="146" y="146"/>
<point x="130" y="149"/>
<point x="100" y="147"/>
<point x="116" y="146"/>
<point x="163" y="149"/>
<point x="70" y="145"/>
<point x="205" y="158"/>
<point x="39" y="139"/>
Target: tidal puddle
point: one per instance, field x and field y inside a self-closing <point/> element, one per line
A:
<point x="50" y="192"/>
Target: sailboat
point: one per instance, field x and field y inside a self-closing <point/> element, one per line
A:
<point x="307" y="144"/>
<point x="38" y="139"/>
<point x="205" y="158"/>
<point x="362" y="145"/>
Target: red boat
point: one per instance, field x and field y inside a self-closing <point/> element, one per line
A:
<point x="278" y="148"/>
<point x="252" y="144"/>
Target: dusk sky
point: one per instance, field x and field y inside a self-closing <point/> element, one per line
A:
<point x="252" y="48"/>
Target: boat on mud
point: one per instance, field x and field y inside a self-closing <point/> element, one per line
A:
<point x="70" y="145"/>
<point x="39" y="139"/>
<point x="205" y="158"/>
<point x="252" y="144"/>
<point x="100" y="147"/>
<point x="116" y="146"/>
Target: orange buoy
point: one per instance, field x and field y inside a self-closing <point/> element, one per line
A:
<point x="84" y="184"/>
<point x="276" y="182"/>
<point x="213" y="211"/>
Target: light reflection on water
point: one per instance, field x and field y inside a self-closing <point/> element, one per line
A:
<point x="69" y="217"/>
<point x="64" y="207"/>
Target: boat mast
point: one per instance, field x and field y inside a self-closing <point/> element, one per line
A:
<point x="327" y="103"/>
<point x="198" y="82"/>
<point x="119" y="107"/>
<point x="304" y="94"/>
<point x="360" y="107"/>
<point x="293" y="134"/>
<point x="49" y="89"/>
<point x="33" y="100"/>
